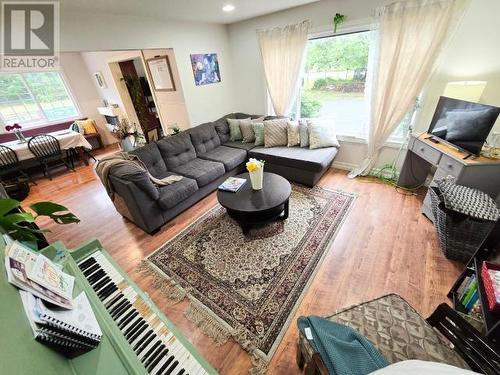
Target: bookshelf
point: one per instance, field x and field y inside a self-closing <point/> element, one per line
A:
<point x="489" y="250"/>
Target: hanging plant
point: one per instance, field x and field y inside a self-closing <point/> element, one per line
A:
<point x="337" y="20"/>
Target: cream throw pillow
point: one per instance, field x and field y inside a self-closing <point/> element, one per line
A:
<point x="321" y="134"/>
<point x="275" y="133"/>
<point x="292" y="129"/>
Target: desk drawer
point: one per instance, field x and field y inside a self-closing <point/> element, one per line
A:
<point x="426" y="152"/>
<point x="450" y="165"/>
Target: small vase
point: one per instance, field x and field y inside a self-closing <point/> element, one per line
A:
<point x="256" y="178"/>
<point x="20" y="136"/>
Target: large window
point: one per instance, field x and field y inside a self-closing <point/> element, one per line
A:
<point x="334" y="82"/>
<point x="35" y="98"/>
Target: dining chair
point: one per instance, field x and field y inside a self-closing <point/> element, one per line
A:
<point x="9" y="164"/>
<point x="47" y="151"/>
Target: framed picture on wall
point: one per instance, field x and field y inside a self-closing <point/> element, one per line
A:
<point x="99" y="79"/>
<point x="205" y="68"/>
<point x="160" y="72"/>
<point x="153" y="135"/>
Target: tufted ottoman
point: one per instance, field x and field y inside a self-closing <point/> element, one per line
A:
<point x="396" y="330"/>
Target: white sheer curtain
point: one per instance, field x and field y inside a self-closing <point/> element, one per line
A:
<point x="411" y="36"/>
<point x="282" y="51"/>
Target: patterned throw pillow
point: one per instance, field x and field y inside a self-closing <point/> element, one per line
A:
<point x="234" y="130"/>
<point x="321" y="135"/>
<point x="258" y="129"/>
<point x="89" y="126"/>
<point x="247" y="132"/>
<point x="275" y="133"/>
<point x="304" y="133"/>
<point x="292" y="129"/>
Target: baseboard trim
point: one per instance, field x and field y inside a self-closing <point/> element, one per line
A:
<point x="343" y="165"/>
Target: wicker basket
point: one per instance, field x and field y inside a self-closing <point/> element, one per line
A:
<point x="459" y="235"/>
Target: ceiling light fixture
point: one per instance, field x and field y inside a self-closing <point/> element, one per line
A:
<point x="228" y="8"/>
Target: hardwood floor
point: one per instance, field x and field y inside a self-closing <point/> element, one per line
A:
<point x="384" y="246"/>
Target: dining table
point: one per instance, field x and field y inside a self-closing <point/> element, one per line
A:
<point x="68" y="139"/>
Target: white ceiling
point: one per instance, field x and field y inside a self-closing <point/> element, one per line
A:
<point x="189" y="10"/>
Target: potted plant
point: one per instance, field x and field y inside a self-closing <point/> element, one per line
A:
<point x="255" y="169"/>
<point x="124" y="132"/>
<point x="20" y="225"/>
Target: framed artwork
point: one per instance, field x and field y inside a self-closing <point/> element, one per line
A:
<point x="99" y="79"/>
<point x="153" y="135"/>
<point x="205" y="68"/>
<point x="160" y="72"/>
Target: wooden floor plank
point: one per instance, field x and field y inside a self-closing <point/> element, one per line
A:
<point x="385" y="245"/>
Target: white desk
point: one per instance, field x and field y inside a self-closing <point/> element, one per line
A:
<point x="477" y="172"/>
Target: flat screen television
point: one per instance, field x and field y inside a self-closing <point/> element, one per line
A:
<point x="463" y="124"/>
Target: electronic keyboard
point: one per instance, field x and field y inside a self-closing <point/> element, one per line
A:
<point x="137" y="337"/>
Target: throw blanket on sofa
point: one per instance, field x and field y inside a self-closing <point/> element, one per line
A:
<point x="104" y="166"/>
<point x="343" y="349"/>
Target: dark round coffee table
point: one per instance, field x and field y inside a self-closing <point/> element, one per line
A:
<point x="249" y="207"/>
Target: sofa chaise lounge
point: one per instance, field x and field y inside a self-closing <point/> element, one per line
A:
<point x="205" y="157"/>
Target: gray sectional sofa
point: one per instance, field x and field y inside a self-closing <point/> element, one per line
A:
<point x="205" y="157"/>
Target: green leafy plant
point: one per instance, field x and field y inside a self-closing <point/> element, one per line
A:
<point x="20" y="224"/>
<point x="309" y="106"/>
<point x="337" y="20"/>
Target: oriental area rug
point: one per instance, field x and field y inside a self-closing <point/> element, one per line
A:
<point x="248" y="287"/>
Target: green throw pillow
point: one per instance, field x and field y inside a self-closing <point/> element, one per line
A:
<point x="234" y="130"/>
<point x="258" y="129"/>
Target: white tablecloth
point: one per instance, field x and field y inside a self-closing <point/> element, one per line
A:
<point x="67" y="139"/>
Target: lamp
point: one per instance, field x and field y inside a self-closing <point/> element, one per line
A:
<point x="470" y="91"/>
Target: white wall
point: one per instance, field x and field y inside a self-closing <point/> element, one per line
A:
<point x="473" y="54"/>
<point x="84" y="91"/>
<point x="102" y="32"/>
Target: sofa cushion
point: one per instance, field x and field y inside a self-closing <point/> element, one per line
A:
<point x="203" y="171"/>
<point x="296" y="157"/>
<point x="222" y="127"/>
<point x="229" y="156"/>
<point x="133" y="173"/>
<point x="151" y="157"/>
<point x="171" y="195"/>
<point x="204" y="137"/>
<point x="176" y="150"/>
<point x="240" y="145"/>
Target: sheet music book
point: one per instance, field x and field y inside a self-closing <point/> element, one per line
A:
<point x="80" y="320"/>
<point x="47" y="328"/>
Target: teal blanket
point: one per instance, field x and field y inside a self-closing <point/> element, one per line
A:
<point x="343" y="350"/>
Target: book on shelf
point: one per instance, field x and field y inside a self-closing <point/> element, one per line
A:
<point x="232" y="184"/>
<point x="36" y="274"/>
<point x="72" y="329"/>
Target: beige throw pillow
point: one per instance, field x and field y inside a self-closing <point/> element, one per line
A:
<point x="275" y="133"/>
<point x="304" y="134"/>
<point x="292" y="129"/>
<point x="321" y="134"/>
<point x="247" y="132"/>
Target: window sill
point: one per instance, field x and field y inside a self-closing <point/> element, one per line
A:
<point x="393" y="143"/>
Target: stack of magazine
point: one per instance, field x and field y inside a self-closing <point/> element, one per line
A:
<point x="47" y="295"/>
<point x="232" y="184"/>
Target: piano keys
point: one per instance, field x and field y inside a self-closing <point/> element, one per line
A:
<point x="154" y="344"/>
<point x="137" y="338"/>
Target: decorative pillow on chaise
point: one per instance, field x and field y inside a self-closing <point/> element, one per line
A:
<point x="275" y="133"/>
<point x="258" y="129"/>
<point x="293" y="134"/>
<point x="303" y="133"/>
<point x="321" y="134"/>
